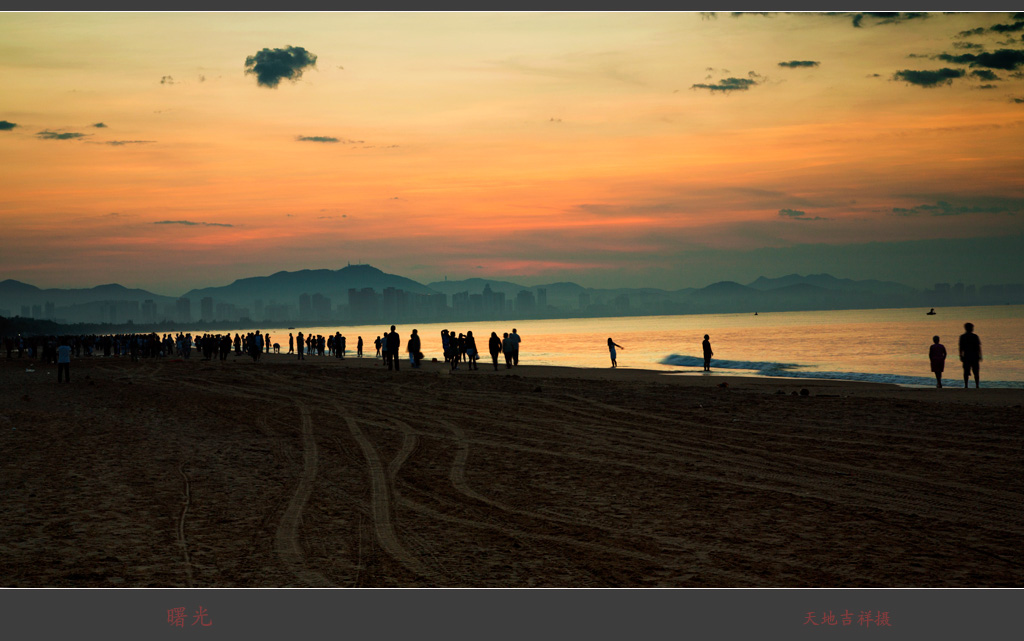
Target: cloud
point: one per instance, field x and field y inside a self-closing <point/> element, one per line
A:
<point x="98" y="125"/>
<point x="1019" y="101"/>
<point x="118" y="143"/>
<point x="944" y="208"/>
<point x="270" y="66"/>
<point x="971" y="32"/>
<point x="7" y="126"/>
<point x="1008" y="28"/>
<point x="968" y="45"/>
<point x="929" y="79"/>
<point x="317" y="138"/>
<point x="190" y="223"/>
<point x="796" y="214"/>
<point x="167" y="80"/>
<point x="985" y="74"/>
<point x="1007" y="59"/>
<point x="988" y="86"/>
<point x="792" y="64"/>
<point x="887" y="17"/>
<point x="731" y="84"/>
<point x="53" y="135"/>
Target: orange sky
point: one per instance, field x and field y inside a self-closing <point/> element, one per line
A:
<point x="607" y="149"/>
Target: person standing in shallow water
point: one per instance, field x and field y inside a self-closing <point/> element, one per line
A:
<point x="937" y="356"/>
<point x="611" y="349"/>
<point x="970" y="354"/>
<point x="707" y="353"/>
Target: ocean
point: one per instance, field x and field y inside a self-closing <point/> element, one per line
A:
<point x="875" y="345"/>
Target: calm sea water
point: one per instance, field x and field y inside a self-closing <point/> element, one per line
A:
<point x="881" y="345"/>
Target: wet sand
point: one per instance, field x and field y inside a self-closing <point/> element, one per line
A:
<point x="325" y="472"/>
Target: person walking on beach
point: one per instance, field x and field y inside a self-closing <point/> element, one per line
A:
<point x="707" y="353"/>
<point x="506" y="349"/>
<point x="359" y="347"/>
<point x="611" y="348"/>
<point x="377" y="344"/>
<point x="471" y="352"/>
<point x="937" y="356"/>
<point x="970" y="354"/>
<point x="64" y="362"/>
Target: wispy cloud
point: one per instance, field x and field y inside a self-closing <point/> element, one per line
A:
<point x="944" y="208"/>
<point x="55" y="135"/>
<point x="317" y="138"/>
<point x="190" y="223"/>
<point x="732" y="84"/>
<point x="271" y="66"/>
<point x="792" y="64"/>
<point x="1006" y="59"/>
<point x="98" y="125"/>
<point x="796" y="214"/>
<point x="167" y="80"/>
<point x="118" y="143"/>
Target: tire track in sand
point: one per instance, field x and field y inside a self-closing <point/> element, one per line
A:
<point x="287" y="542"/>
<point x="381" y="496"/>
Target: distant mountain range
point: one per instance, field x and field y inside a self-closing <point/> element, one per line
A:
<point x="247" y="298"/>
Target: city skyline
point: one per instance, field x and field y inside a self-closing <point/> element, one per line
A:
<point x="670" y="150"/>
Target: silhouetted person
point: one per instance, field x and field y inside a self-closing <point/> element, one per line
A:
<point x="64" y="362"/>
<point x="291" y="344"/>
<point x="471" y="351"/>
<point x="513" y="341"/>
<point x="970" y="354"/>
<point x="377" y="344"/>
<point x="359" y="347"/>
<point x="506" y="348"/>
<point x="338" y="351"/>
<point x="300" y="343"/>
<point x="937" y="356"/>
<point x="414" y="349"/>
<point x="707" y="353"/>
<point x="611" y="348"/>
<point x="494" y="345"/>
<point x="394" y="344"/>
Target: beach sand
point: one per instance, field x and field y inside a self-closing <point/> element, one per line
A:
<point x="324" y="472"/>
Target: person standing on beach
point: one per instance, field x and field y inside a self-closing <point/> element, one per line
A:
<point x="513" y="341"/>
<point x="471" y="352"/>
<point x="506" y="349"/>
<point x="64" y="362"/>
<point x="300" y="342"/>
<point x="359" y="347"/>
<point x="611" y="348"/>
<point x="937" y="356"/>
<point x="707" y="353"/>
<point x="394" y="344"/>
<point x="970" y="354"/>
<point x="414" y="349"/>
<point x="377" y="344"/>
<point x="495" y="348"/>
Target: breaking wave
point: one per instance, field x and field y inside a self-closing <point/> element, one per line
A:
<point x="792" y="370"/>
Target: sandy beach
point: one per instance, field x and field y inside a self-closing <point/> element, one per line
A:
<point x="338" y="473"/>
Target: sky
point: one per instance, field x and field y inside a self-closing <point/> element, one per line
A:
<point x="671" y="150"/>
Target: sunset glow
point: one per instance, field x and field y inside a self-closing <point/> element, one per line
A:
<point x="647" y="149"/>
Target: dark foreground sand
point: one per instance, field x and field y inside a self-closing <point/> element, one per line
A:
<point x="338" y="473"/>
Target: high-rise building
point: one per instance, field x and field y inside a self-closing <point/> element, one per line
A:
<point x="37" y="311"/>
<point x="49" y="311"/>
<point x="148" y="311"/>
<point x="183" y="310"/>
<point x="206" y="309"/>
<point x="542" y="299"/>
<point x="525" y="302"/>
<point x="305" y="307"/>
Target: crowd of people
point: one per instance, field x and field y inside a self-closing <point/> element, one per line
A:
<point x="458" y="349"/>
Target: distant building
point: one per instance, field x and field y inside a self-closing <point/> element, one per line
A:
<point x="183" y="311"/>
<point x="258" y="309"/>
<point x="305" y="307"/>
<point x="49" y="311"/>
<point x="148" y="311"/>
<point x="584" y="300"/>
<point x="37" y="311"/>
<point x="26" y="311"/>
<point x="206" y="309"/>
<point x="542" y="299"/>
<point x="525" y="302"/>
<point x="321" y="307"/>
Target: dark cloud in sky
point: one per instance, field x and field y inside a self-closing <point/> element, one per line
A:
<point x="731" y="84"/>
<point x="7" y="126"/>
<point x="971" y="32"/>
<point x="934" y="78"/>
<point x="1008" y="28"/>
<point x="166" y="80"/>
<point x="984" y="74"/>
<point x="792" y="64"/>
<point x="119" y="143"/>
<point x="317" y="138"/>
<point x="1007" y="59"/>
<point x="887" y="17"/>
<point x="796" y="214"/>
<point x="270" y="66"/>
<point x="1019" y="101"/>
<point x="99" y="125"/>
<point x="763" y="14"/>
<point x="944" y="208"/>
<point x="988" y="86"/>
<point x="190" y="223"/>
<point x="968" y="45"/>
<point x="53" y="135"/>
